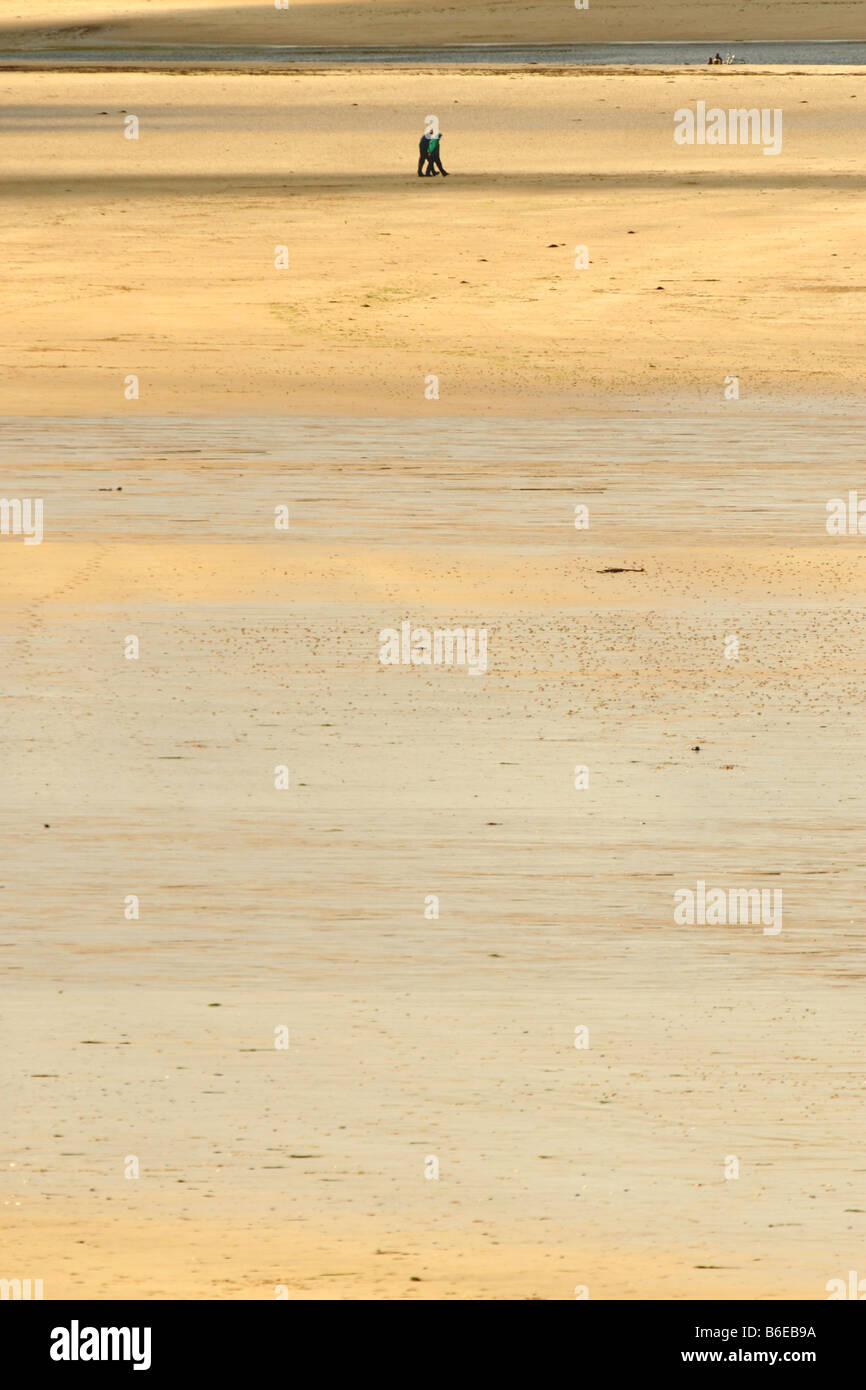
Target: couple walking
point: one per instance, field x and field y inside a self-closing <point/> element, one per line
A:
<point x="428" y="149"/>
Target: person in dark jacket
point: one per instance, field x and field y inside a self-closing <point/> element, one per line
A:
<point x="423" y="146"/>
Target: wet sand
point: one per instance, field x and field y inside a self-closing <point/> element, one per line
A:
<point x="411" y="1038"/>
<point x="558" y="1167"/>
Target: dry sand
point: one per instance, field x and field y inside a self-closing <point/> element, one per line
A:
<point x="156" y="256"/>
<point x="154" y="1038"/>
<point x="89" y="22"/>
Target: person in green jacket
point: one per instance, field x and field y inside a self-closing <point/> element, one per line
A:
<point x="434" y="159"/>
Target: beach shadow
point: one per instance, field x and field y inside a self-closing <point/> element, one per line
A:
<point x="48" y="183"/>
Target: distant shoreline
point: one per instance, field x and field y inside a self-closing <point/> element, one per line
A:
<point x="546" y="57"/>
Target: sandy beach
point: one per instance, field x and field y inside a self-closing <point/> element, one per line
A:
<point x="411" y="22"/>
<point x="412" y="1037"/>
<point x="306" y="1171"/>
<point x="156" y="256"/>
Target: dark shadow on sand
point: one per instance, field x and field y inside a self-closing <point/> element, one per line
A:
<point x="759" y="176"/>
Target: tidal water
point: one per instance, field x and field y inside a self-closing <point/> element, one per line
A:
<point x="829" y="52"/>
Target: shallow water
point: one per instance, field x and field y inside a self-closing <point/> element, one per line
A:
<point x="828" y="52"/>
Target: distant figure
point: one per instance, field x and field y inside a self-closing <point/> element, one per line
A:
<point x="434" y="159"/>
<point x="423" y="147"/>
<point x="718" y="58"/>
